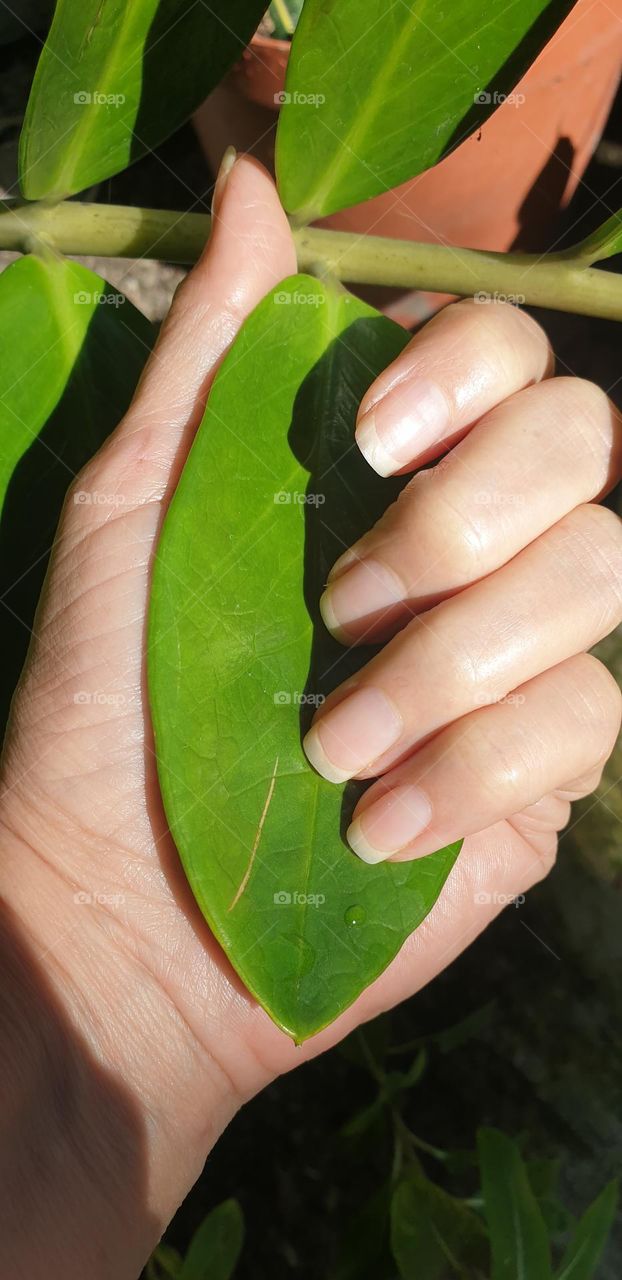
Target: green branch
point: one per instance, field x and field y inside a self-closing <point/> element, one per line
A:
<point x="558" y="281"/>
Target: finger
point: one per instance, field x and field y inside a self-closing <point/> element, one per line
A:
<point x="250" y="250"/>
<point x="555" y="599"/>
<point x="524" y="466"/>
<point x="465" y="361"/>
<point x="494" y="762"/>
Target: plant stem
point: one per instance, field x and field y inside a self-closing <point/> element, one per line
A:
<point x="284" y="16"/>
<point x="116" y="231"/>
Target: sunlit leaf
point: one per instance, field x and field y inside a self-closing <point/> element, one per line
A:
<point x="602" y="243"/>
<point x="518" y="1236"/>
<point x="116" y="77"/>
<point x="272" y="492"/>
<point x="377" y="91"/>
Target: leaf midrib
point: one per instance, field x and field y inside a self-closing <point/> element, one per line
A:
<point x="331" y="331"/>
<point x="343" y="155"/>
<point x="88" y="124"/>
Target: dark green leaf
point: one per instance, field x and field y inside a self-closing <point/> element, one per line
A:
<point x="273" y="491"/>
<point x="603" y="243"/>
<point x="164" y="1261"/>
<point x="467" y="1029"/>
<point x="367" y="1046"/>
<point x="216" y="1246"/>
<point x="518" y="1236"/>
<point x="581" y="1257"/>
<point x="378" y="92"/>
<point x="285" y="15"/>
<point x="414" y="1073"/>
<point x="363" y="1120"/>
<point x="434" y="1236"/>
<point x="116" y="77"/>
<point x="72" y="352"/>
<point x="364" y="1246"/>
<point x="543" y="1179"/>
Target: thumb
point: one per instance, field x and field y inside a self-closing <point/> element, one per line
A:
<point x="97" y="584"/>
<point x="250" y="249"/>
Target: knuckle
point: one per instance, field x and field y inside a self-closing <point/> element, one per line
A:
<point x="550" y="814"/>
<point x="580" y="787"/>
<point x="447" y="533"/>
<point x="586" y="409"/>
<point x="596" y="545"/>
<point x="515" y="340"/>
<point x="544" y="848"/>
<point x="585" y="399"/>
<point x="469" y="681"/>
<point x="462" y="535"/>
<point x="600" y="694"/>
<point x="493" y="766"/>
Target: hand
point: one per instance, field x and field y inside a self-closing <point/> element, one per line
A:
<point x="492" y="573"/>
<point x="126" y="1041"/>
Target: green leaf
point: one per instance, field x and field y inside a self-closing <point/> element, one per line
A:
<point x="367" y="1046"/>
<point x="116" y="77"/>
<point x="434" y="1236"/>
<point x="378" y="92"/>
<point x="581" y="1257"/>
<point x="164" y="1261"/>
<point x="602" y="243"/>
<point x="73" y="349"/>
<point x="364" y="1244"/>
<point x="518" y="1236"/>
<point x="285" y="14"/>
<point x="543" y="1179"/>
<point x="215" y="1248"/>
<point x="274" y="489"/>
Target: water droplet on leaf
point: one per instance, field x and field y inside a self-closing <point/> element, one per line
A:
<point x="355" y="915"/>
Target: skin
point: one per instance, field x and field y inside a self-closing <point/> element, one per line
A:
<point x="126" y="1041"/>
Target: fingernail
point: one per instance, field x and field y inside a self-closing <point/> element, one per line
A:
<point x="345" y="561"/>
<point x="354" y="734"/>
<point x="226" y="166"/>
<point x="401" y="425"/>
<point x="390" y="824"/>
<point x="367" y="591"/>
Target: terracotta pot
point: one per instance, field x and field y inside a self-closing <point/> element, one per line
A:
<point x="501" y="187"/>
